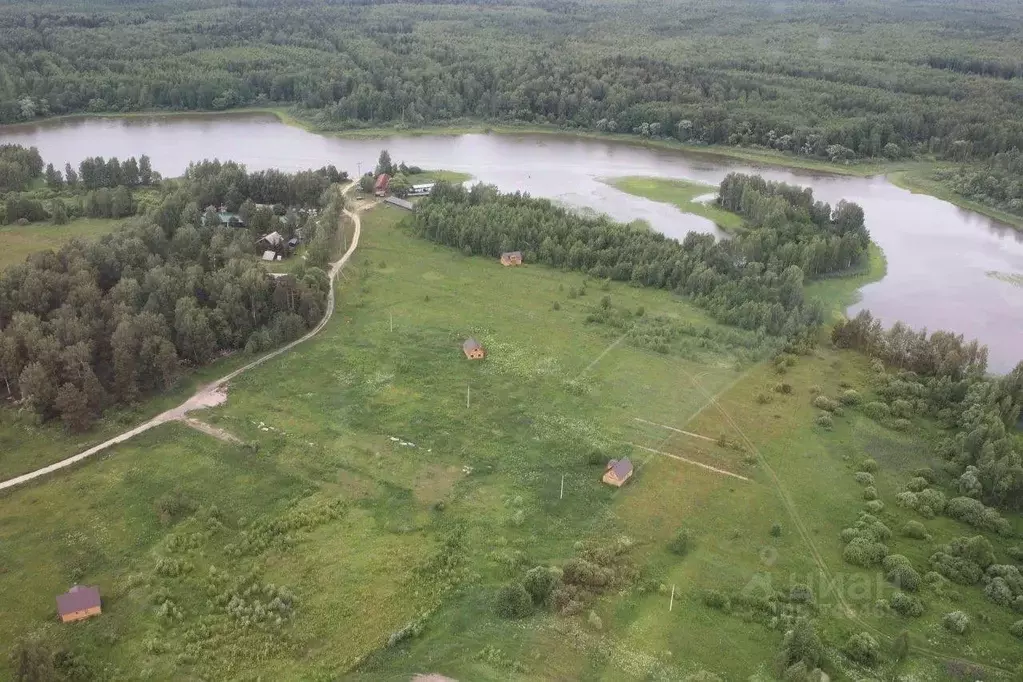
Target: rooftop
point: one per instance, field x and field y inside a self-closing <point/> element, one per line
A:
<point x="78" y="598"/>
<point x="620" y="467"/>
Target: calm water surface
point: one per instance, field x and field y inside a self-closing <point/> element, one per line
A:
<point x="939" y="256"/>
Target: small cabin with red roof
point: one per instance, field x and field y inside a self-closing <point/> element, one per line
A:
<point x="382" y="183"/>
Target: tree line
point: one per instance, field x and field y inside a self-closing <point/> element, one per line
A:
<point x="107" y="321"/>
<point x="19" y="166"/>
<point x="996" y="182"/>
<point x="229" y="184"/>
<point x="823" y="89"/>
<point x="754" y="281"/>
<point x="942" y="376"/>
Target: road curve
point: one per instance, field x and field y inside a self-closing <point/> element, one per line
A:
<point x="211" y="393"/>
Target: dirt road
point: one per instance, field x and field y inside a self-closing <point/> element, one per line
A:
<point x="213" y="393"/>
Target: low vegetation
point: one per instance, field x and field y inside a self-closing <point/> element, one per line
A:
<point x="447" y="515"/>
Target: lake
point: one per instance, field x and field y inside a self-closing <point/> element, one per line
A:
<point x="941" y="259"/>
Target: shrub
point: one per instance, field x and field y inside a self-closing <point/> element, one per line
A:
<point x="823" y="402"/>
<point x="864" y="478"/>
<point x="999" y="592"/>
<point x="899" y="424"/>
<point x="956" y="622"/>
<point x="864" y="552"/>
<point x="904" y="577"/>
<point x="877" y="411"/>
<point x="716" y="600"/>
<point x="514" y="602"/>
<point x="776" y="529"/>
<point x="907" y="500"/>
<point x="902" y="409"/>
<point x="680" y="543"/>
<point x="556" y="306"/>
<point x="869" y="465"/>
<point x="1016" y="629"/>
<point x="802" y="646"/>
<point x="974" y="513"/>
<point x="595" y="622"/>
<point x="957" y="569"/>
<point x="917" y="484"/>
<point x="540" y="582"/>
<point x="907" y="605"/>
<point x="597" y="457"/>
<point x="783" y="388"/>
<point x="800" y="594"/>
<point x="763" y="398"/>
<point x="824" y="420"/>
<point x="1015" y="553"/>
<point x="863" y="649"/>
<point x="874" y="506"/>
<point x="915" y="530"/>
<point x="934" y="499"/>
<point x="849" y="397"/>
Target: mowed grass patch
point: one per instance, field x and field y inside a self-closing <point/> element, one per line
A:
<point x="20" y="241"/>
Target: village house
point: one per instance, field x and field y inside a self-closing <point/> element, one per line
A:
<point x="511" y="258"/>
<point x="473" y="350"/>
<point x="618" y="471"/>
<point x="381" y="185"/>
<point x="78" y="603"/>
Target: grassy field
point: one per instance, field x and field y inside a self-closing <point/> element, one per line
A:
<point x="386" y="481"/>
<point x="679" y="193"/>
<point x="21" y="240"/>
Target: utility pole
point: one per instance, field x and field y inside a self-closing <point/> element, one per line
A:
<point x="359" y="165"/>
<point x="391" y="315"/>
<point x="672" y="602"/>
<point x="467" y="396"/>
<point x="562" y="487"/>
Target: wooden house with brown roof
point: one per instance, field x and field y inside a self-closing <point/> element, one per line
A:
<point x="511" y="258"/>
<point x="473" y="350"/>
<point x="618" y="471"/>
<point x="79" y="603"/>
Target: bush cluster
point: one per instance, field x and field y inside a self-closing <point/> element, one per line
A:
<point x="864" y="478"/>
<point x="513" y="601"/>
<point x="863" y="649"/>
<point x="973" y="512"/>
<point x="824" y="420"/>
<point x="906" y="604"/>
<point x="681" y="543"/>
<point x="850" y="397"/>
<point x="915" y="530"/>
<point x="823" y="402"/>
<point x="862" y="551"/>
<point x="900" y="572"/>
<point x="963" y="560"/>
<point x="956" y="622"/>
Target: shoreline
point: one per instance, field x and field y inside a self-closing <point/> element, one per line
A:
<point x="908" y="175"/>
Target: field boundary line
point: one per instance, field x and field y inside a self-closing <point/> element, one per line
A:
<point x="672" y="428"/>
<point x="693" y="462"/>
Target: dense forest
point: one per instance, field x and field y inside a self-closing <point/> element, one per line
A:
<point x="828" y="80"/>
<point x="996" y="182"/>
<point x="108" y="321"/>
<point x="941" y="376"/>
<point x="754" y="281"/>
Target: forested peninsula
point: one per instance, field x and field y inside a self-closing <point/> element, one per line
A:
<point x="809" y="81"/>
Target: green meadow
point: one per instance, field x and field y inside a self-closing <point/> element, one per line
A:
<point x="679" y="193"/>
<point x="386" y="488"/>
<point x="21" y="240"/>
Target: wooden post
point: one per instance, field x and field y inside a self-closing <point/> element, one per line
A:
<point x="391" y="316"/>
<point x="562" y="487"/>
<point x="467" y="396"/>
<point x="672" y="602"/>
